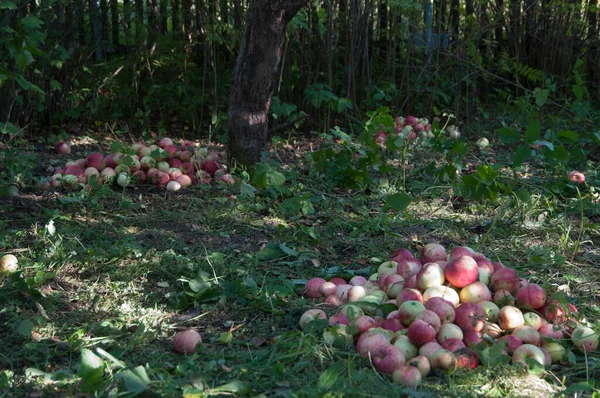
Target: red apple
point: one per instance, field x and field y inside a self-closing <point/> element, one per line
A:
<point x="408" y="376"/>
<point x="312" y="288"/>
<point x="528" y="335"/>
<point x="452" y="344"/>
<point x="358" y="281"/>
<point x="462" y="271"/>
<point x="364" y="323"/>
<point x="492" y="330"/>
<point x="443" y="308"/>
<point x="505" y="279"/>
<point x="466" y="358"/>
<point x="461" y="251"/>
<point x="186" y="342"/>
<point x="420" y="332"/>
<point x="328" y="289"/>
<point x="63" y="148"/>
<point x="474" y="293"/>
<point x="408" y="295"/>
<point x="387" y="358"/>
<point x="422" y="363"/>
<point x="503" y="297"/>
<point x="367" y="343"/>
<point x="472" y="337"/>
<point x="338" y="319"/>
<point x="408" y="267"/>
<point x="428" y="349"/>
<point x="469" y="316"/>
<point x="311" y="315"/>
<point x="338" y="281"/>
<point x="402" y="253"/>
<point x="549" y="330"/>
<point x="392" y="324"/>
<point x="430" y="318"/>
<point x="333" y="301"/>
<point x="430" y="275"/>
<point x="432" y="252"/>
<point x="531" y="296"/>
<point x="512" y="343"/>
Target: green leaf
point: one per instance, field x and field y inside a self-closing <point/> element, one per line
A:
<point x="247" y="191"/>
<point x="6" y="4"/>
<point x="91" y="371"/>
<point x="135" y="381"/>
<point x="578" y="90"/>
<point x="330" y="375"/>
<point x="8" y="191"/>
<point x="521" y="154"/>
<point x="547" y="144"/>
<point x="225" y="337"/>
<point x="568" y="136"/>
<point x="398" y="201"/>
<point x="534" y="367"/>
<point x="232" y="386"/>
<point x="541" y="96"/>
<point x="25" y="328"/>
<point x="288" y="251"/>
<point x="508" y="136"/>
<point x="197" y="285"/>
<point x="533" y="131"/>
<point x="32" y="22"/>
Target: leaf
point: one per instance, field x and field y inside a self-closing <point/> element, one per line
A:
<point x="25" y="328"/>
<point x="533" y="131"/>
<point x="568" y="136"/>
<point x="32" y="22"/>
<point x="288" y="251"/>
<point x="8" y="191"/>
<point x="197" y="285"/>
<point x="225" y="337"/>
<point x="578" y="90"/>
<point x="232" y="386"/>
<point x="135" y="381"/>
<point x="508" y="136"/>
<point x="534" y="367"/>
<point x="547" y="144"/>
<point x="398" y="201"/>
<point x="6" y="4"/>
<point x="247" y="190"/>
<point x="330" y="375"/>
<point x="521" y="154"/>
<point x="91" y="371"/>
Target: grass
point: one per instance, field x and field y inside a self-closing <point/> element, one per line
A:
<point x="123" y="271"/>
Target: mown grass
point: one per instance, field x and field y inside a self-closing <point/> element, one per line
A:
<point x="124" y="270"/>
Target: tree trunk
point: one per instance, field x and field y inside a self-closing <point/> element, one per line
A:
<point x="114" y="24"/>
<point x="255" y="76"/>
<point x="175" y="16"/>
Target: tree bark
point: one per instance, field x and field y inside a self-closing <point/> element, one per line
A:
<point x="255" y="77"/>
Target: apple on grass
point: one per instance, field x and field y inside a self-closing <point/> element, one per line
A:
<point x="367" y="343"/>
<point x="408" y="376"/>
<point x="584" y="339"/>
<point x="452" y="345"/>
<point x="387" y="266"/>
<point x="342" y="291"/>
<point x="505" y="279"/>
<point x="528" y="335"/>
<point x="428" y="349"/>
<point x="422" y="363"/>
<point x="432" y="252"/>
<point x="466" y="358"/>
<point x="557" y="352"/>
<point x="528" y="351"/>
<point x="313" y="286"/>
<point x="443" y="359"/>
<point x="387" y="358"/>
<point x="534" y="320"/>
<point x="549" y="330"/>
<point x="311" y="315"/>
<point x="531" y="296"/>
<point x="511" y="343"/>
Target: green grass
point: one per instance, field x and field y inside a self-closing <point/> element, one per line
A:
<point x="124" y="270"/>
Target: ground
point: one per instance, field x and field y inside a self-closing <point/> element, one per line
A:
<point x="123" y="270"/>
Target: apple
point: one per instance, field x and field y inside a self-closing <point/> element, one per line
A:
<point x="557" y="352"/>
<point x="351" y="311"/>
<point x="408" y="267"/>
<point x="422" y="363"/>
<point x="528" y="335"/>
<point x="392" y="324"/>
<point x="328" y="289"/>
<point x="358" y="280"/>
<point x="108" y="174"/>
<point x="338" y="281"/>
<point x="408" y="311"/>
<point x="474" y="293"/>
<point x="432" y="274"/>
<point x="443" y="308"/>
<point x="364" y="323"/>
<point x="333" y="301"/>
<point x="492" y="330"/>
<point x="63" y="148"/>
<point x="469" y="316"/>
<point x="428" y="349"/>
<point x="144" y="151"/>
<point x="452" y="344"/>
<point x="165" y="142"/>
<point x="411" y="283"/>
<point x="554" y="311"/>
<point x="408" y="295"/>
<point x="443" y="359"/>
<point x="549" y="330"/>
<point x="432" y="252"/>
<point x="123" y="180"/>
<point x="147" y="162"/>
<point x="8" y="264"/>
<point x="449" y="331"/>
<point x="311" y="315"/>
<point x="387" y="358"/>
<point x="466" y="358"/>
<point x="510" y="318"/>
<point x="460" y="251"/>
<point x="534" y="320"/>
<point x="403" y="342"/>
<point x="531" y="296"/>
<point x="95" y="160"/>
<point x="484" y="276"/>
<point x="312" y="287"/>
<point x="394" y="285"/>
<point x="491" y="310"/>
<point x="368" y="342"/>
<point x="186" y="342"/>
<point x="485" y="264"/>
<point x="462" y="272"/>
<point x="183" y="179"/>
<point x="338" y="319"/>
<point x="402" y="253"/>
<point x="175" y="162"/>
<point x="445" y="292"/>
<point x="342" y="291"/>
<point x="505" y="279"/>
<point x="547" y="357"/>
<point x="356" y="293"/>
<point x="408" y="376"/>
<point x="420" y="332"/>
<point x="511" y="343"/>
<point x="525" y="351"/>
<point x="497" y="265"/>
<point x="584" y="339"/>
<point x="171" y="150"/>
<point x="337" y="336"/>
<point x="503" y="297"/>
<point x="387" y="266"/>
<point x="472" y="337"/>
<point x="211" y="166"/>
<point x="430" y="318"/>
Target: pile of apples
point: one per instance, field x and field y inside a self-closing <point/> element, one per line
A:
<point x="445" y="309"/>
<point x="407" y="126"/>
<point x="164" y="164"/>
